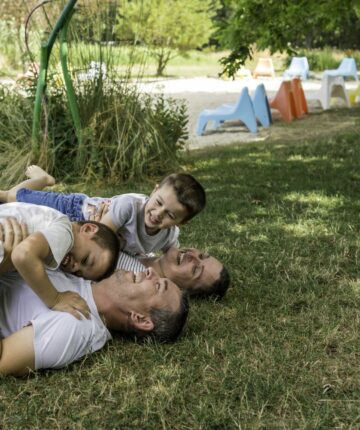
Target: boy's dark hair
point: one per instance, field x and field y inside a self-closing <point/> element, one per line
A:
<point x="217" y="290"/>
<point x="189" y="192"/>
<point x="106" y="239"/>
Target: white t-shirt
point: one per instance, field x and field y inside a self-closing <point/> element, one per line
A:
<point x="55" y="227"/>
<point x="59" y="338"/>
<point x="127" y="213"/>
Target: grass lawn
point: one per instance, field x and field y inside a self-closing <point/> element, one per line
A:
<point x="281" y="350"/>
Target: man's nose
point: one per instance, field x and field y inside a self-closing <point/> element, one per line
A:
<point x="191" y="256"/>
<point x="150" y="273"/>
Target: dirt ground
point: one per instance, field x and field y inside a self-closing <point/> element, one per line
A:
<point x="208" y="93"/>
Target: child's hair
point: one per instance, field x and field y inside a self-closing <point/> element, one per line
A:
<point x="189" y="192"/>
<point x="106" y="239"/>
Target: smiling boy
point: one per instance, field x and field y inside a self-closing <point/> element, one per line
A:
<point x="147" y="223"/>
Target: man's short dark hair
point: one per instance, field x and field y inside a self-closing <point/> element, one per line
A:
<point x="217" y="290"/>
<point x="167" y="325"/>
<point x="189" y="192"/>
<point x="106" y="239"/>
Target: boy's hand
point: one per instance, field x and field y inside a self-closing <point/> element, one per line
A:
<point x="72" y="303"/>
<point x="100" y="211"/>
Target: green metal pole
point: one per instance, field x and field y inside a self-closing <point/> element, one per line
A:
<point x="45" y="52"/>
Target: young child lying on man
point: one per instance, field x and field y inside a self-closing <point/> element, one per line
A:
<point x="86" y="249"/>
<point x="147" y="223"/>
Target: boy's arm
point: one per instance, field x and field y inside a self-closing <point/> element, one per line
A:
<point x="102" y="215"/>
<point x="17" y="355"/>
<point x="28" y="258"/>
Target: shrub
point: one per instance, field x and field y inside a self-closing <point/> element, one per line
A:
<point x="125" y="134"/>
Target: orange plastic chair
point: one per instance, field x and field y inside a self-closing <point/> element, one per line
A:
<point x="264" y="67"/>
<point x="284" y="102"/>
<point x="301" y="107"/>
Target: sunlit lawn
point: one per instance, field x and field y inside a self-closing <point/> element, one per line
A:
<point x="282" y="349"/>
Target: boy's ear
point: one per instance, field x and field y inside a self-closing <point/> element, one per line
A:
<point x="89" y="228"/>
<point x="141" y="322"/>
<point x="185" y="222"/>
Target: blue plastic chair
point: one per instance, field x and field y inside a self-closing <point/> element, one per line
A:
<point x="261" y="106"/>
<point x="243" y="111"/>
<point x="347" y="68"/>
<point x="299" y="66"/>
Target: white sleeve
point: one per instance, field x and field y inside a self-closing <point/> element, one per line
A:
<point x="60" y="238"/>
<point x="60" y="339"/>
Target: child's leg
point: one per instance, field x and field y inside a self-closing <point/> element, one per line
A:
<point x="69" y="204"/>
<point x="38" y="179"/>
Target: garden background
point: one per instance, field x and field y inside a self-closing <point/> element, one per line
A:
<point x="281" y="349"/>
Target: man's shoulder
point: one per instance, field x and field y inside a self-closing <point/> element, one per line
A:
<point x="61" y="339"/>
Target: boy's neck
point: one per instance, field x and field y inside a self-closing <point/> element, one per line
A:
<point x="150" y="231"/>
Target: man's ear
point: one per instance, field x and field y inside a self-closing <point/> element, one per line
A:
<point x="141" y="322"/>
<point x="89" y="228"/>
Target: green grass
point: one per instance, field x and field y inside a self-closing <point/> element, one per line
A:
<point x="281" y="350"/>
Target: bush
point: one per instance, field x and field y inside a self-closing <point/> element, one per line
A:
<point x="124" y="134"/>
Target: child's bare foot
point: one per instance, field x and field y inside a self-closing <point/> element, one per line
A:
<point x="36" y="172"/>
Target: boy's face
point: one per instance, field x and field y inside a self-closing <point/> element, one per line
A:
<point x="163" y="209"/>
<point x="87" y="259"/>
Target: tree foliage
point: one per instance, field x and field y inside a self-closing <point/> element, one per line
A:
<point x="166" y="27"/>
<point x="286" y="25"/>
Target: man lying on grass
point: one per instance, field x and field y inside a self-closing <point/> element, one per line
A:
<point x="33" y="337"/>
<point x="192" y="270"/>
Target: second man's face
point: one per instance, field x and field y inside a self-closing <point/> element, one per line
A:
<point x="190" y="268"/>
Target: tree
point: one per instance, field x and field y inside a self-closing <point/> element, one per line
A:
<point x="167" y="27"/>
<point x="284" y="26"/>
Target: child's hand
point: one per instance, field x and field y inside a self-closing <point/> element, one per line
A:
<point x="100" y="212"/>
<point x="72" y="303"/>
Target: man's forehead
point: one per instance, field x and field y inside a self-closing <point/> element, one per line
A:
<point x="212" y="269"/>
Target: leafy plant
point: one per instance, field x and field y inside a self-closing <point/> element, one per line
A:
<point x="126" y="134"/>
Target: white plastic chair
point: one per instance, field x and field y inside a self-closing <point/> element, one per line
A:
<point x="332" y="86"/>
<point x="347" y="68"/>
<point x="299" y="66"/>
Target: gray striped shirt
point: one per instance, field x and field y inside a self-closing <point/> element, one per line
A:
<point x="127" y="262"/>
